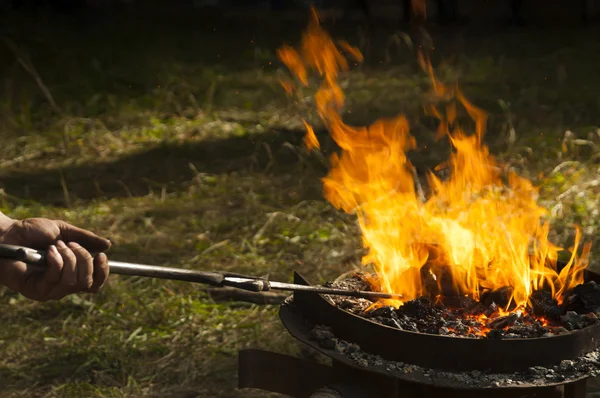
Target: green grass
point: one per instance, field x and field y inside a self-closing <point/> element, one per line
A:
<point x="175" y="140"/>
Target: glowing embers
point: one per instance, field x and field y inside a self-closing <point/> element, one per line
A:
<point x="492" y="316"/>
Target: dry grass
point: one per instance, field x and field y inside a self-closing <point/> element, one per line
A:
<point x="186" y="152"/>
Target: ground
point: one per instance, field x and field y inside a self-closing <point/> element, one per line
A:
<point x="172" y="136"/>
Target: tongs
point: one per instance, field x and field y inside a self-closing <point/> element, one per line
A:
<point x="218" y="279"/>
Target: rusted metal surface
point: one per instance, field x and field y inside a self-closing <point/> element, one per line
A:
<point x="443" y="352"/>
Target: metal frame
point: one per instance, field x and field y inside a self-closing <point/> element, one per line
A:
<point x="297" y="377"/>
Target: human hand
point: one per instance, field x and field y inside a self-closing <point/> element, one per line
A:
<point x="70" y="266"/>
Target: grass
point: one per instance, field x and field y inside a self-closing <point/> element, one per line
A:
<point x="174" y="139"/>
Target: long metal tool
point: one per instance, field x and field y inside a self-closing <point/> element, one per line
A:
<point x="219" y="279"/>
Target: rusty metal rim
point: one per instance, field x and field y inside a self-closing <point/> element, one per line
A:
<point x="444" y="352"/>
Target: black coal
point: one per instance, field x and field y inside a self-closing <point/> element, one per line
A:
<point x="460" y="316"/>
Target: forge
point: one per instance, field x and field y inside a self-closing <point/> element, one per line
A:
<point x="372" y="359"/>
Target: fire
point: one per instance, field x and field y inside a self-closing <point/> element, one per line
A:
<point x="479" y="229"/>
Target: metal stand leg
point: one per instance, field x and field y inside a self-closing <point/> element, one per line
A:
<point x="279" y="373"/>
<point x="576" y="389"/>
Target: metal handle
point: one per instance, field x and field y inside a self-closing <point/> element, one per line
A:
<point x="25" y="254"/>
<point x="38" y="258"/>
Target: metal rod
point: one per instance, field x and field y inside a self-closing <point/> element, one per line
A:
<point x="38" y="258"/>
<point x="154" y="271"/>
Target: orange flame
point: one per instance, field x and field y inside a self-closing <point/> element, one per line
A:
<point x="477" y="230"/>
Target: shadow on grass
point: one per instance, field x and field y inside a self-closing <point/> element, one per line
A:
<point x="166" y="167"/>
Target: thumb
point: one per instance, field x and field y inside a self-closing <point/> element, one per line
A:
<point x="87" y="239"/>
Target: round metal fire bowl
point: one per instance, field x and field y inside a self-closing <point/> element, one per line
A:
<point x="298" y="327"/>
<point x="502" y="386"/>
<point x="444" y="352"/>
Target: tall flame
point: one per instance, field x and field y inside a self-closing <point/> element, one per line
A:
<point x="476" y="230"/>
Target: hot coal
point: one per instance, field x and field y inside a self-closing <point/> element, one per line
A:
<point x="572" y="320"/>
<point x="584" y="298"/>
<point x="543" y="304"/>
<point x="462" y="316"/>
<point x="458" y="302"/>
<point x="504" y="321"/>
<point x="501" y="297"/>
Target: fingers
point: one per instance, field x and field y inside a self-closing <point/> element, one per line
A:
<point x="101" y="271"/>
<point x="68" y="278"/>
<point x="87" y="239"/>
<point x="85" y="266"/>
<point x="46" y="286"/>
<point x="54" y="266"/>
<point x="78" y="271"/>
